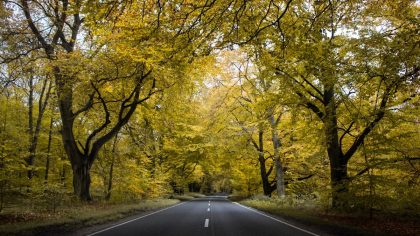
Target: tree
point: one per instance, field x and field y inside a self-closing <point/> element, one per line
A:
<point x="65" y="20"/>
<point x="34" y="129"/>
<point x="247" y="104"/>
<point x="330" y="64"/>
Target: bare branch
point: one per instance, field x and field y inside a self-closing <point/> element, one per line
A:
<point x="104" y="125"/>
<point x="346" y="131"/>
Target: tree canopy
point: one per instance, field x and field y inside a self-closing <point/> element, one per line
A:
<point x="121" y="100"/>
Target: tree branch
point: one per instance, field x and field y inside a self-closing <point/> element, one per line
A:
<point x="104" y="125"/>
<point x="48" y="48"/>
<point x="122" y="118"/>
<point x="367" y="168"/>
<point x="86" y="107"/>
<point x="346" y="131"/>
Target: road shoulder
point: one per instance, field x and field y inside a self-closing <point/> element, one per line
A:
<point x="309" y="222"/>
<point x="85" y="218"/>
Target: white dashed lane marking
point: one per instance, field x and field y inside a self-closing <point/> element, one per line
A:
<point x="206" y="223"/>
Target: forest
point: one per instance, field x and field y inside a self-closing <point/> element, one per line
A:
<point x="298" y="102"/>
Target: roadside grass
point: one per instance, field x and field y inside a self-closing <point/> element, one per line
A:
<point x="20" y="221"/>
<point x="237" y="198"/>
<point x="187" y="196"/>
<point x="195" y="195"/>
<point x="336" y="223"/>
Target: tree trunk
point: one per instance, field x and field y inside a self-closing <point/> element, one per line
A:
<point x="277" y="161"/>
<point x="264" y="178"/>
<point x="35" y="130"/>
<point x="281" y="192"/>
<point x="79" y="162"/>
<point x="30" y="159"/>
<point x="267" y="187"/>
<point x="111" y="169"/>
<point x="339" y="185"/>
<point x="81" y="181"/>
<point x="338" y="165"/>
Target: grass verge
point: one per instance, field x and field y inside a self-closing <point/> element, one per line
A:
<point x="74" y="217"/>
<point x="335" y="223"/>
<point x="187" y="196"/>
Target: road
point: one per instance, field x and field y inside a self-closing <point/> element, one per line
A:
<point x="209" y="216"/>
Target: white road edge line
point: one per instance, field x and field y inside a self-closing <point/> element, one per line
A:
<point x="206" y="223"/>
<point x="138" y="218"/>
<point x="258" y="212"/>
<point x="208" y="209"/>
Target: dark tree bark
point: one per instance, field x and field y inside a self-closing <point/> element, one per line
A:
<point x="81" y="180"/>
<point x="338" y="165"/>
<point x="268" y="187"/>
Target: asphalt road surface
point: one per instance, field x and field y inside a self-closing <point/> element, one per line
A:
<point x="209" y="216"/>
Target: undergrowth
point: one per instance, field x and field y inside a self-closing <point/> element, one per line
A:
<point x="29" y="221"/>
<point x="313" y="213"/>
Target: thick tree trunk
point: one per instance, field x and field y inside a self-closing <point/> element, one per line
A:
<point x="79" y="162"/>
<point x="339" y="185"/>
<point x="338" y="164"/>
<point x="81" y="181"/>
